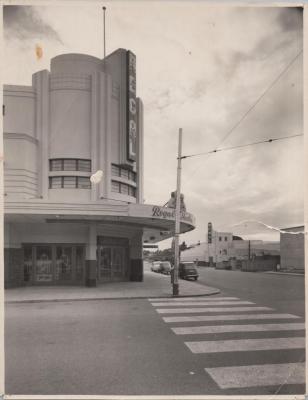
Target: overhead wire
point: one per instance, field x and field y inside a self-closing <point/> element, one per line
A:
<point x="232" y="129"/>
<point x="287" y="67"/>
<point x="242" y="145"/>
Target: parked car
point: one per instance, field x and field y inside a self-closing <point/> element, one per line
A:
<point x="188" y="270"/>
<point x="156" y="266"/>
<point x="166" y="267"/>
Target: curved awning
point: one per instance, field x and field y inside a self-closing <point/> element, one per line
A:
<point x="158" y="223"/>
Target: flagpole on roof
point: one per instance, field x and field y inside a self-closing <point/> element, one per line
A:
<point x="104" y="10"/>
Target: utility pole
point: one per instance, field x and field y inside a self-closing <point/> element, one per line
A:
<point x="175" y="291"/>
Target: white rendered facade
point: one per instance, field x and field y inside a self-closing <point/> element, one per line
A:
<point x="73" y="121"/>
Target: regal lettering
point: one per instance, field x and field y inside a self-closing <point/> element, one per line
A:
<point x="166" y="213"/>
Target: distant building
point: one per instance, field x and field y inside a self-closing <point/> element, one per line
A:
<point x="292" y="249"/>
<point x="244" y="249"/>
<point x="219" y="250"/>
<point x="221" y="247"/>
<point x="224" y="247"/>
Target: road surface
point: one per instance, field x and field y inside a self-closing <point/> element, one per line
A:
<point x="248" y="340"/>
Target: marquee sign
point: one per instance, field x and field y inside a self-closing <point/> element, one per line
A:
<point x="169" y="213"/>
<point x="131" y="107"/>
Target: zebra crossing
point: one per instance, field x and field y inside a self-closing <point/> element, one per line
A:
<point x="207" y="321"/>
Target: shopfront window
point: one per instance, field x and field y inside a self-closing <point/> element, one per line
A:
<point x="79" y="262"/>
<point x="28" y="264"/>
<point x="53" y="263"/>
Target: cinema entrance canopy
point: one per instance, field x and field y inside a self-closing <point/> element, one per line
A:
<point x="87" y="243"/>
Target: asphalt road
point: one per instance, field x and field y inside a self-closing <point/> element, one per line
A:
<point x="283" y="292"/>
<point x="135" y="347"/>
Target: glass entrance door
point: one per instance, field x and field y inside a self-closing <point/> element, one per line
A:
<point x="63" y="272"/>
<point x="118" y="263"/>
<point x="43" y="264"/>
<point x="104" y="263"/>
<point x="111" y="261"/>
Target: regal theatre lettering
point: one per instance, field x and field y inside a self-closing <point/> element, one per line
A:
<point x="131" y="107"/>
<point x="163" y="212"/>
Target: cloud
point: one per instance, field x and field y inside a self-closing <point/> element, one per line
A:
<point x="24" y="22"/>
<point x="200" y="68"/>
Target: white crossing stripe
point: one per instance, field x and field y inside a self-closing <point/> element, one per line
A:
<point x="221" y="346"/>
<point x="217" y="309"/>
<point x="235" y="317"/>
<point x="201" y="298"/>
<point x="192" y="330"/>
<point x="203" y="303"/>
<point x="258" y="375"/>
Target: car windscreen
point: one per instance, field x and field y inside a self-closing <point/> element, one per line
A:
<point x="188" y="266"/>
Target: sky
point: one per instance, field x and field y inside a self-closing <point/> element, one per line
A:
<point x="201" y="68"/>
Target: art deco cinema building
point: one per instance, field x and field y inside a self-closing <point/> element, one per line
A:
<point x="80" y="117"/>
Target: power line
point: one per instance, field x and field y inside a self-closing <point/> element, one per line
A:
<point x="242" y="145"/>
<point x="288" y="66"/>
<point x="253" y="106"/>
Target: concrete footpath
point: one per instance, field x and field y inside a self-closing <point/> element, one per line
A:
<point x="154" y="285"/>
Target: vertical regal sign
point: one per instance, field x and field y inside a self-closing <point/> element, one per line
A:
<point x="131" y="107"/>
